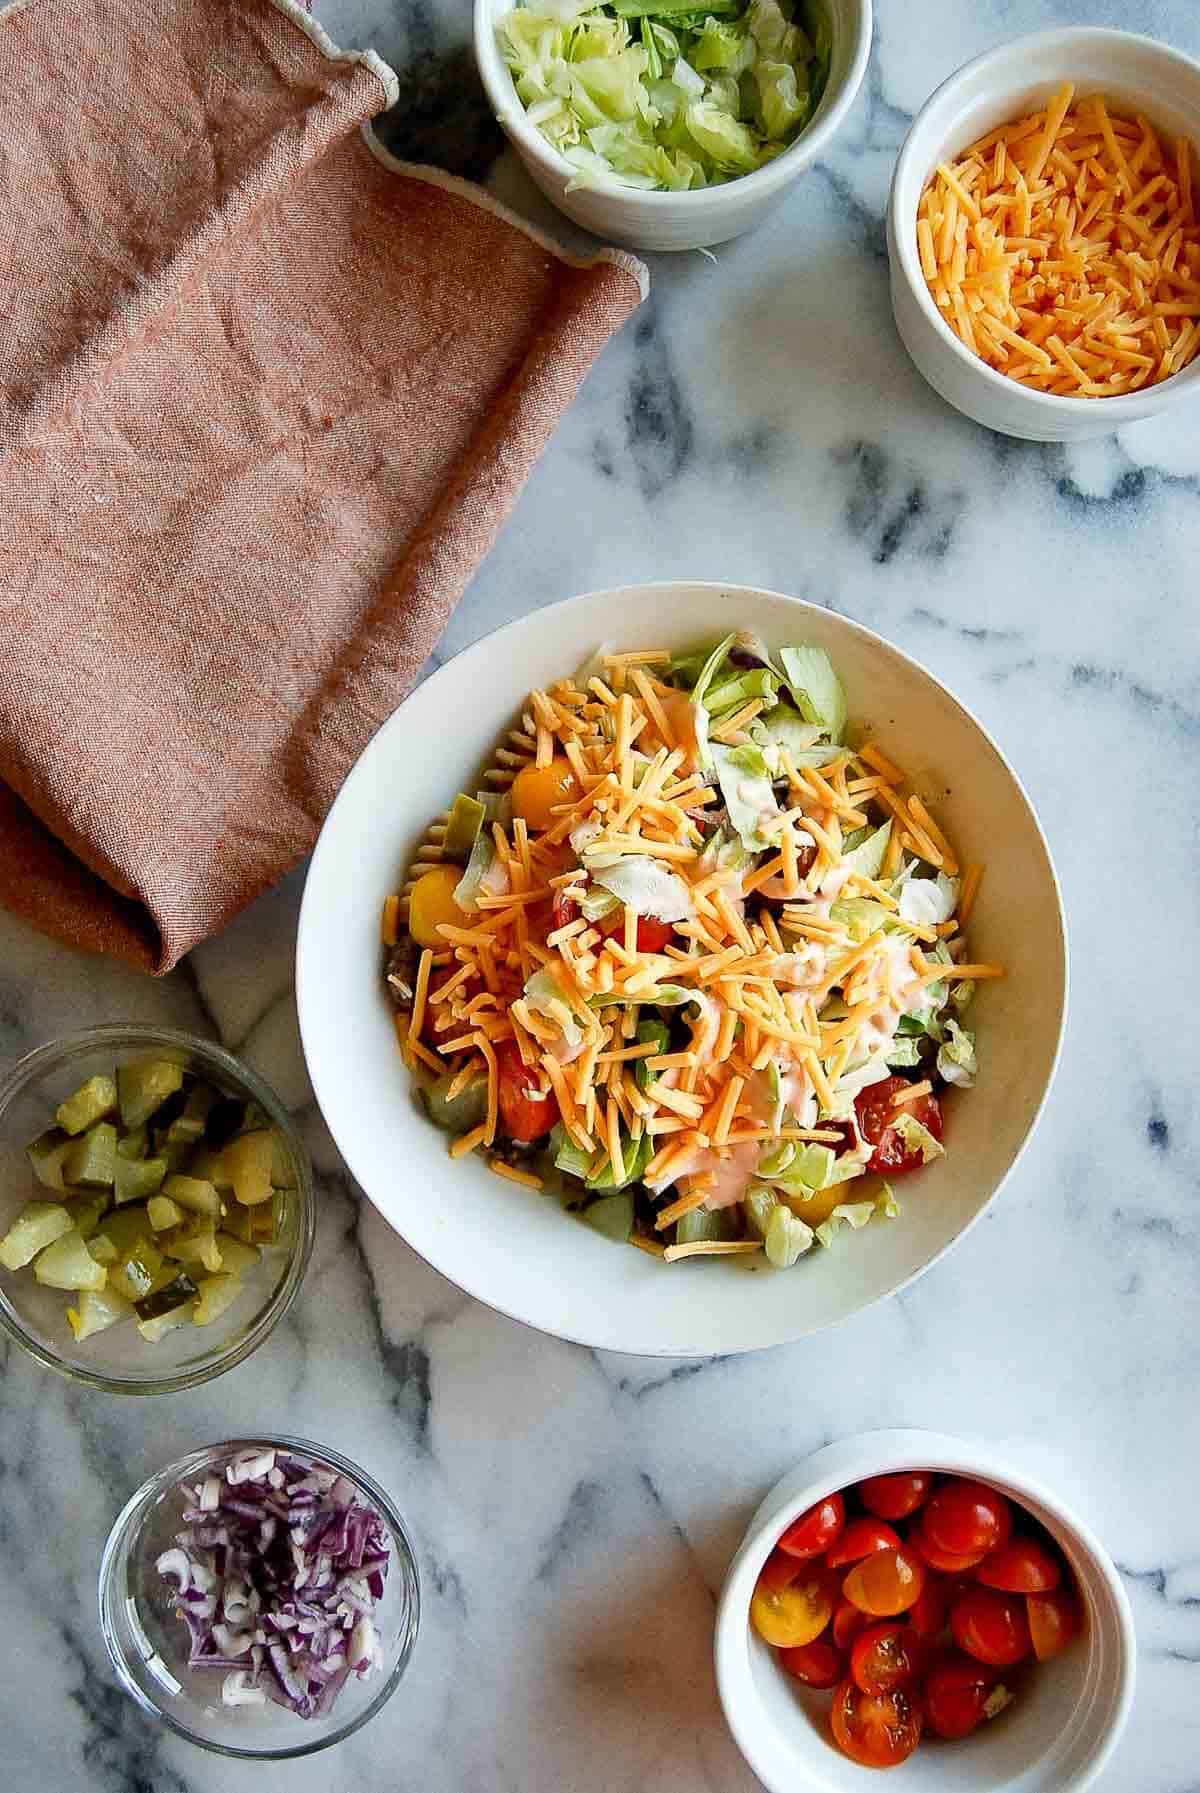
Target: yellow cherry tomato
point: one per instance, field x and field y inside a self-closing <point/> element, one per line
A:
<point x="815" y="1208"/>
<point x="795" y="1613"/>
<point x="432" y="903"/>
<point x="538" y="789"/>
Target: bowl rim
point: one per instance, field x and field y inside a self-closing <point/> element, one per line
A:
<point x="512" y="117"/>
<point x="879" y="1452"/>
<point x="133" y="1033"/>
<point x="171" y="1475"/>
<point x="308" y="949"/>
<point x="1125" y="407"/>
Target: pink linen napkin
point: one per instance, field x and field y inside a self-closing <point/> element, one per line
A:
<point x="266" y="397"/>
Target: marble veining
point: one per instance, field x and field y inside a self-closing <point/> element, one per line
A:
<point x="574" y="1512"/>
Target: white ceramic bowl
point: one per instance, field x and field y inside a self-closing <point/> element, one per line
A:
<point x="676" y="220"/>
<point x="518" y="1250"/>
<point x="1138" y="75"/>
<point x="1055" y="1739"/>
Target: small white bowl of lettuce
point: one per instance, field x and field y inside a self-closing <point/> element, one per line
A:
<point x="667" y="125"/>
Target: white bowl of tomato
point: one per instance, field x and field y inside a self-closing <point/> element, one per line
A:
<point x="905" y="1599"/>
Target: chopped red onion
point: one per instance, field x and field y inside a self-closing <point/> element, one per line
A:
<point x="276" y="1577"/>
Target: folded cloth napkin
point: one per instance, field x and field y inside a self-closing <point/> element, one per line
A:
<point x="266" y="396"/>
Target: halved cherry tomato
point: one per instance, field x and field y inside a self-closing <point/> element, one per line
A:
<point x="1024" y="1566"/>
<point x="796" y="1612"/>
<point x="653" y="935"/>
<point x="956" y="1693"/>
<point x="897" y="1495"/>
<point x="991" y="1626"/>
<point x="877" y="1108"/>
<point x="525" y="1114"/>
<point x="779" y="1571"/>
<point x="819" y="1664"/>
<point x="860" y="1538"/>
<point x="887" y="1582"/>
<point x="876" y="1730"/>
<point x="848" y="1621"/>
<point x="564" y="911"/>
<point x="1053" y="1621"/>
<point x="538" y="791"/>
<point x="886" y="1656"/>
<point x="963" y="1517"/>
<point x="944" y="1561"/>
<point x="927" y="1615"/>
<point x="815" y="1530"/>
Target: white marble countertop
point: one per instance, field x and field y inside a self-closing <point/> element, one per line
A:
<point x="757" y="421"/>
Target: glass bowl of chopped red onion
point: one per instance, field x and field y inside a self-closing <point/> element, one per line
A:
<point x="260" y="1597"/>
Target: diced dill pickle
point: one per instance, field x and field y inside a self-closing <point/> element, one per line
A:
<point x="68" y="1264"/>
<point x="256" y="1226"/>
<point x="704" y="1223"/>
<point x="650" y="1032"/>
<point x="208" y="1165"/>
<point x="248" y="1163"/>
<point x="138" y="1269"/>
<point x="86" y="1213"/>
<point x="612" y="1215"/>
<point x="92" y="1159"/>
<point x="90" y="1103"/>
<point x="134" y="1144"/>
<point x="237" y="1256"/>
<point x="96" y="1310"/>
<point x="216" y="1294"/>
<point x="460" y="1113"/>
<point x="136" y="1179"/>
<point x="125" y="1226"/>
<point x="163" y="1212"/>
<point x="181" y="1288"/>
<point x="38" y="1225"/>
<point x="47" y="1155"/>
<point x="195" y="1243"/>
<point x="154" y="1330"/>
<point x="462" y="825"/>
<point x="757" y="1204"/>
<point x="143" y="1087"/>
<point x="193" y="1193"/>
<point x="102" y="1249"/>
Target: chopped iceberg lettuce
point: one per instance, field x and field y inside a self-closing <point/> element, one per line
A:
<point x="851" y="1214"/>
<point x="816" y="688"/>
<point x="787" y="1237"/>
<point x="647" y="887"/>
<point x="704" y="679"/>
<point x="545" y="996"/>
<point x="956" y="1060"/>
<point x="867" y="857"/>
<point x="929" y="901"/>
<point x="917" y="1138"/>
<point x="746" y="787"/>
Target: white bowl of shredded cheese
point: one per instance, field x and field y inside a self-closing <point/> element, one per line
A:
<point x="1135" y="79"/>
<point x="517" y="1248"/>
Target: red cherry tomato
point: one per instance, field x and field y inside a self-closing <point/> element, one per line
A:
<point x="877" y="1108"/>
<point x="565" y="910"/>
<point x="885" y="1657"/>
<point x="876" y="1730"/>
<point x="653" y="935"/>
<point x="956" y="1692"/>
<point x="860" y="1538"/>
<point x="928" y="1615"/>
<point x="525" y="1115"/>
<point x="946" y="1562"/>
<point x="1024" y="1566"/>
<point x="886" y="1583"/>
<point x="895" y="1496"/>
<point x="848" y="1621"/>
<point x="815" y="1530"/>
<point x="1053" y="1621"/>
<point x="819" y="1664"/>
<point x="779" y="1571"/>
<point x="990" y="1626"/>
<point x="964" y="1518"/>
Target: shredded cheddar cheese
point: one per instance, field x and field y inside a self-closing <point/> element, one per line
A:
<point x="1064" y="250"/>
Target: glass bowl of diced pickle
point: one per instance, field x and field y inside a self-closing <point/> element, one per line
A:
<point x="156" y="1208"/>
